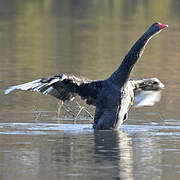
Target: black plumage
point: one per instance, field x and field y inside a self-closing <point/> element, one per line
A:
<point x="112" y="97"/>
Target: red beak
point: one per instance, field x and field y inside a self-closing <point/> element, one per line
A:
<point x="162" y="26"/>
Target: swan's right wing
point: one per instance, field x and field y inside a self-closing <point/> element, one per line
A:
<point x="146" y="98"/>
<point x="147" y="91"/>
<point x="62" y="86"/>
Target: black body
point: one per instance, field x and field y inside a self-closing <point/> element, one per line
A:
<point x="112" y="97"/>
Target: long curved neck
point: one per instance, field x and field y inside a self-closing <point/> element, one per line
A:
<point x="121" y="75"/>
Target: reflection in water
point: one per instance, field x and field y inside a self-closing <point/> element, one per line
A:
<point x="45" y="151"/>
<point x="145" y="157"/>
<point x="79" y="154"/>
<point x="115" y="148"/>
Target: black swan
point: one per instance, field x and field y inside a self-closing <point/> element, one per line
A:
<point x="112" y="97"/>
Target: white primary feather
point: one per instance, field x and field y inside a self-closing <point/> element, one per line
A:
<point x="53" y="81"/>
<point x="39" y="87"/>
<point x="146" y="98"/>
<point x="47" y="91"/>
<point x="25" y="87"/>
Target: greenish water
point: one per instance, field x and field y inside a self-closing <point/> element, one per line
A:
<point x="86" y="38"/>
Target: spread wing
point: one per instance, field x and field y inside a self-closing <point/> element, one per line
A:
<point x="63" y="87"/>
<point x="147" y="91"/>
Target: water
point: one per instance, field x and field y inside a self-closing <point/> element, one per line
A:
<point x="86" y="38"/>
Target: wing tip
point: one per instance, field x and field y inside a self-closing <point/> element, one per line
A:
<point x="9" y="90"/>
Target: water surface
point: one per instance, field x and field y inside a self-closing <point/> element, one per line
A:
<point x="86" y="38"/>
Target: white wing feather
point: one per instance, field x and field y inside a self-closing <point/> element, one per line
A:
<point x="34" y="85"/>
<point x="146" y="98"/>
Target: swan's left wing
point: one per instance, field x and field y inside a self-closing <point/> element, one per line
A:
<point x="147" y="91"/>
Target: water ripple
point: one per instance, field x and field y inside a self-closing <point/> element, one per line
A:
<point x="54" y="128"/>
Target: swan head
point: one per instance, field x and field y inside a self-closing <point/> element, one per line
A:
<point x="156" y="28"/>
